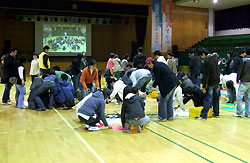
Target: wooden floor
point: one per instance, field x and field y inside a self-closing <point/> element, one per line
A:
<point x="55" y="136"/>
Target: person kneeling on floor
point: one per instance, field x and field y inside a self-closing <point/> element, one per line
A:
<point x="133" y="110"/>
<point x="64" y="93"/>
<point x="92" y="109"/>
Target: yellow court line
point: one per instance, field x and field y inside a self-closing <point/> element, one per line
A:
<point x="79" y="136"/>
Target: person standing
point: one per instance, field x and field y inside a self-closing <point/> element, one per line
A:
<point x="9" y="63"/>
<point x="172" y="63"/>
<point x="167" y="82"/>
<point x="159" y="57"/>
<point x="210" y="86"/>
<point x="90" y="75"/>
<point x="238" y="60"/>
<point x="44" y="62"/>
<point x="243" y="76"/>
<point x="19" y="73"/>
<point x="195" y="68"/>
<point x="125" y="63"/>
<point x="34" y="67"/>
<point x="110" y="65"/>
<point x="140" y="58"/>
<point x="117" y="69"/>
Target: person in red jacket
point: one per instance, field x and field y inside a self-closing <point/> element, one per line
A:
<point x="90" y="76"/>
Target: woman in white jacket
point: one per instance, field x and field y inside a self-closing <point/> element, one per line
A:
<point x="34" y="67"/>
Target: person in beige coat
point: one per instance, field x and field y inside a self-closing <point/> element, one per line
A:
<point x="172" y="64"/>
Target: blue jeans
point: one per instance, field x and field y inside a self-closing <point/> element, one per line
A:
<point x="6" y="93"/>
<point x="142" y="83"/>
<point x="144" y="121"/>
<point x="42" y="71"/>
<point x="244" y="90"/>
<point x="212" y="96"/>
<point x="20" y="93"/>
<point x="46" y="86"/>
<point x="76" y="83"/>
<point x="165" y="106"/>
<point x="196" y="80"/>
<point x="231" y="94"/>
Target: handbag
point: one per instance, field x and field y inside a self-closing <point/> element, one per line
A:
<point x="69" y="101"/>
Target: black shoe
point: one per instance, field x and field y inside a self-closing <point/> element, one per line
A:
<point x="40" y="109"/>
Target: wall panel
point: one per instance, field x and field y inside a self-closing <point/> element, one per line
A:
<point x="189" y="26"/>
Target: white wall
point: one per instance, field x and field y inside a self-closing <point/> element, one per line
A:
<point x="233" y="32"/>
<point x="211" y="23"/>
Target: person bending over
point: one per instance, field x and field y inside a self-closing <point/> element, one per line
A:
<point x="64" y="92"/>
<point x="92" y="109"/>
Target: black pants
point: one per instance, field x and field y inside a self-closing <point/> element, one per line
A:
<point x="92" y="121"/>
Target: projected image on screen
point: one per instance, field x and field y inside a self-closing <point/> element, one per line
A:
<point x="64" y="37"/>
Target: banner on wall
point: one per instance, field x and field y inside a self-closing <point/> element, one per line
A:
<point x="156" y="25"/>
<point x="166" y="26"/>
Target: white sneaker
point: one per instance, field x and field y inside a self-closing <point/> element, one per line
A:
<point x="86" y="126"/>
<point x="237" y="115"/>
<point x="94" y="128"/>
<point x="116" y="103"/>
<point x="7" y="103"/>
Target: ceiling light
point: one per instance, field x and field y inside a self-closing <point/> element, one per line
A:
<point x="215" y="1"/>
<point x="196" y="1"/>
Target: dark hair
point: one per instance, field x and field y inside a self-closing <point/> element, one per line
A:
<point x="129" y="65"/>
<point x="46" y="48"/>
<point x="203" y="50"/>
<point x="79" y="56"/>
<point x="116" y="56"/>
<point x="170" y="54"/>
<point x="57" y="68"/>
<point x="35" y="54"/>
<point x="13" y="50"/>
<point x="112" y="55"/>
<point x="127" y="90"/>
<point x="140" y="49"/>
<point x="126" y="56"/>
<point x="22" y="59"/>
<point x="180" y="75"/>
<point x="157" y="53"/>
<point x="64" y="77"/>
<point x="52" y="72"/>
<point x="129" y="73"/>
<point x="91" y="62"/>
<point x="242" y="51"/>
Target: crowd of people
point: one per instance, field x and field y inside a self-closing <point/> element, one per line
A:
<point x="128" y="85"/>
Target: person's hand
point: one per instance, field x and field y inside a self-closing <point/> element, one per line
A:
<point x="204" y="90"/>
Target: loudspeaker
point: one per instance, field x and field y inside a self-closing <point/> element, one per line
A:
<point x="133" y="49"/>
<point x="175" y="51"/>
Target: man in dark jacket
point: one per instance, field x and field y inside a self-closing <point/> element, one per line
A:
<point x="238" y="60"/>
<point x="211" y="88"/>
<point x="63" y="90"/>
<point x="9" y="63"/>
<point x="195" y="69"/>
<point x="92" y="109"/>
<point x="139" y="60"/>
<point x="243" y="76"/>
<point x="76" y="72"/>
<point x="133" y="110"/>
<point x="167" y="82"/>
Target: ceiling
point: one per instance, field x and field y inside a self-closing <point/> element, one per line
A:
<point x="222" y="4"/>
